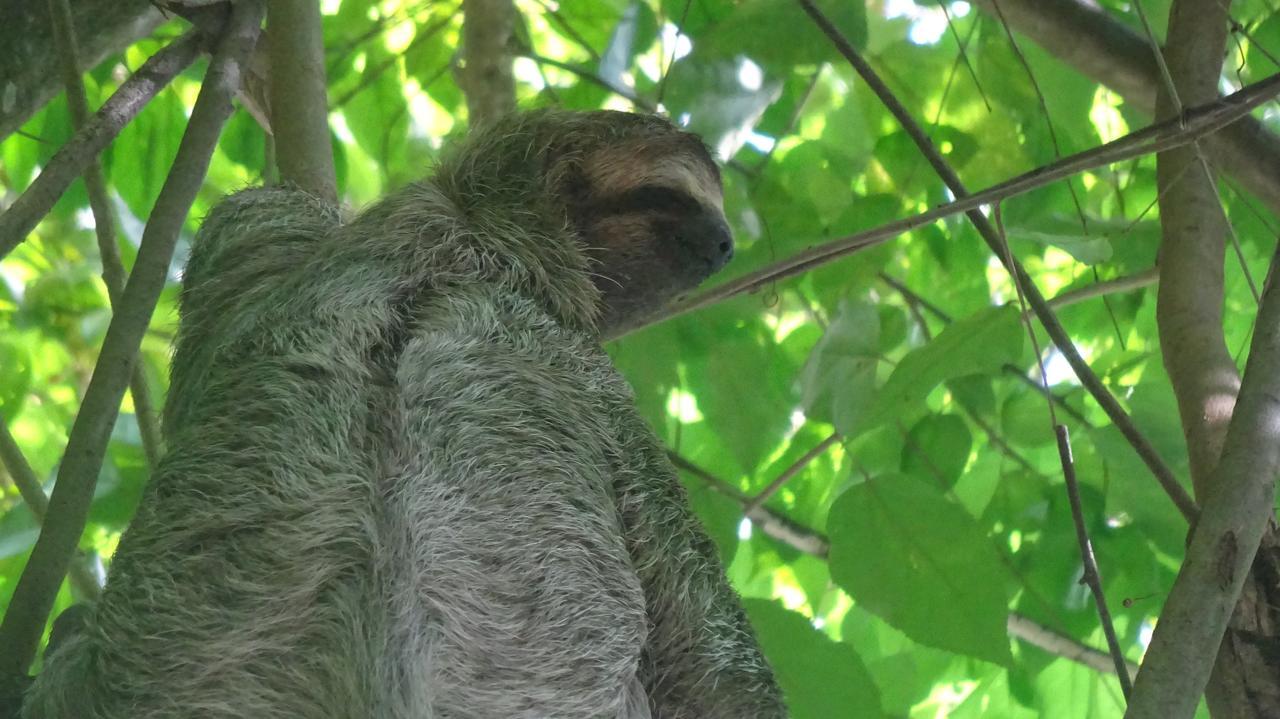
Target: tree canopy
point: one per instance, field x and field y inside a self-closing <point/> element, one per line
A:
<point x="864" y="404"/>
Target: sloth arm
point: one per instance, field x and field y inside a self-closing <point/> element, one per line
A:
<point x="701" y="658"/>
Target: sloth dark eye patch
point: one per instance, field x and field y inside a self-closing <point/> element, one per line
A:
<point x="648" y="198"/>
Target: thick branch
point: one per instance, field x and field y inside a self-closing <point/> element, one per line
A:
<point x="1225" y="539"/>
<point x="1037" y="301"/>
<point x="487" y="29"/>
<point x="299" y="97"/>
<point x="71" y="160"/>
<point x="30" y="66"/>
<point x="1081" y="34"/>
<point x="73" y="492"/>
<point x="1193" y="245"/>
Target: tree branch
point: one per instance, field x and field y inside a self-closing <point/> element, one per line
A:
<point x="1193" y="247"/>
<point x="104" y="221"/>
<point x="487" y="79"/>
<point x="299" y="97"/>
<point x="1037" y="301"/>
<point x="30" y="65"/>
<point x="73" y="492"/>
<point x="1083" y="35"/>
<point x="1226" y="536"/>
<point x="1059" y="645"/>
<point x="71" y="160"/>
<point x="28" y="484"/>
<point x="1092" y="575"/>
<point x="779" y="527"/>
<point x="1128" y="283"/>
<point x="791" y="471"/>
<point x="1195" y="123"/>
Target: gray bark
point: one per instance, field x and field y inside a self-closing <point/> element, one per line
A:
<point x="30" y="69"/>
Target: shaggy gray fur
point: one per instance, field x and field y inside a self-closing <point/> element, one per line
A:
<point x="405" y="481"/>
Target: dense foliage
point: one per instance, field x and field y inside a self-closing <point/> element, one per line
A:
<point x="933" y="518"/>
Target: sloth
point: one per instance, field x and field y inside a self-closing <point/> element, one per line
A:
<point x="404" y="480"/>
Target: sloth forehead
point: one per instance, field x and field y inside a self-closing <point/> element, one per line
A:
<point x="678" y="163"/>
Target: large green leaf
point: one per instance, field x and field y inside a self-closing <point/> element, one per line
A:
<point x="819" y="678"/>
<point x="920" y="562"/>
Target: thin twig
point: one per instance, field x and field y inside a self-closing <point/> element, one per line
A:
<point x="1128" y="283"/>
<point x="28" y="484"/>
<point x="1038" y="635"/>
<point x="64" y="167"/>
<point x="371" y="75"/>
<point x="36" y="589"/>
<point x="779" y="527"/>
<point x="572" y="33"/>
<point x="1200" y="121"/>
<point x="1141" y="445"/>
<point x="671" y="61"/>
<point x="1092" y="577"/>
<point x="791" y="471"/>
<point x="1008" y="368"/>
<point x="624" y="92"/>
<point x="104" y="223"/>
<point x="772" y="524"/>
<point x="995" y="438"/>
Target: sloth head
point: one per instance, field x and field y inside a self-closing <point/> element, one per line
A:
<point x="635" y="204"/>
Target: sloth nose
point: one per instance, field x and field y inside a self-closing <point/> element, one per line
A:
<point x="709" y="237"/>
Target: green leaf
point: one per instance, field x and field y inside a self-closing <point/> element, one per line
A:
<point x="820" y="678"/>
<point x="15" y="377"/>
<point x="1089" y="250"/>
<point x="139" y="159"/>
<point x="921" y="563"/>
<point x="748" y="32"/>
<point x="978" y="344"/>
<point x="1024" y="420"/>
<point x="840" y="375"/>
<point x="937" y="449"/>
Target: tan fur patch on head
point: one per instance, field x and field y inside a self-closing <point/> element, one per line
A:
<point x="677" y="162"/>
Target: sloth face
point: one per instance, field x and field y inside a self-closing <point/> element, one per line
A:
<point x="650" y="213"/>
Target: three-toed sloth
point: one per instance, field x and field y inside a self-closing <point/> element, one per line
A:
<point x="404" y="479"/>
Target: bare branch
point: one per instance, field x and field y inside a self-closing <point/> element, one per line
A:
<point x="487" y="30"/>
<point x="1083" y="35"/>
<point x="1092" y="577"/>
<point x="779" y="527"/>
<point x="1050" y="322"/>
<point x="104" y="221"/>
<point x="73" y="492"/>
<point x="30" y="66"/>
<point x="70" y="161"/>
<point x="791" y="471"/>
<point x="1059" y="645"/>
<point x="1195" y="123"/>
<point x="28" y="484"/>
<point x="1128" y="283"/>
<point x="299" y="97"/>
